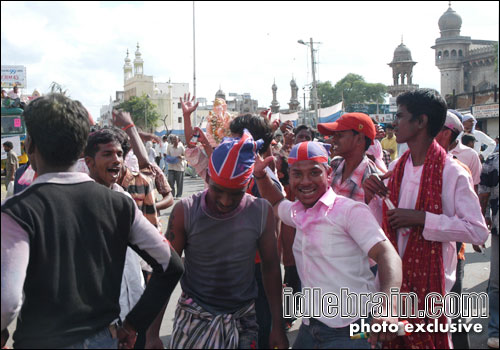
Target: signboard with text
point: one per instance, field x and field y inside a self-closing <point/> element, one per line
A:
<point x="485" y="111"/>
<point x="13" y="75"/>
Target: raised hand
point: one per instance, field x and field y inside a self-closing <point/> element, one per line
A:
<point x="121" y="118"/>
<point x="188" y="105"/>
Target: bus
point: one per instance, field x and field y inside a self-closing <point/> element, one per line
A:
<point x="14" y="130"/>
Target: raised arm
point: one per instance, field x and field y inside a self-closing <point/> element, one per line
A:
<point x="124" y="121"/>
<point x="188" y="107"/>
<point x="266" y="187"/>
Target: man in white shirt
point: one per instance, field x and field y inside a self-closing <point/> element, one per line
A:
<point x="175" y="160"/>
<point x="14" y="93"/>
<point x="468" y="158"/>
<point x="435" y="204"/>
<point x="469" y="123"/>
<point x="163" y="152"/>
<point x="448" y="139"/>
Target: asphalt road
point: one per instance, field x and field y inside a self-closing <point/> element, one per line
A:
<point x="476" y="280"/>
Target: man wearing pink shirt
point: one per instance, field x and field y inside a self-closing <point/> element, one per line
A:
<point x="435" y="204"/>
<point x="335" y="237"/>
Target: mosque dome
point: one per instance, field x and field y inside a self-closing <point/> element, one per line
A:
<point x="450" y="23"/>
<point x="402" y="53"/>
<point x="127" y="60"/>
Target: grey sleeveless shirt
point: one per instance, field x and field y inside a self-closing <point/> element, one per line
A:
<point x="220" y="252"/>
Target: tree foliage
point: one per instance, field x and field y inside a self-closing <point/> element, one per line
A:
<point x="352" y="89"/>
<point x="142" y="109"/>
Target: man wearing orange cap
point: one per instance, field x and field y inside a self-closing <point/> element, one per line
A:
<point x="352" y="133"/>
<point x="220" y="230"/>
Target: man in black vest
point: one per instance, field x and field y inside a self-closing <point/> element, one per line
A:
<point x="64" y="241"/>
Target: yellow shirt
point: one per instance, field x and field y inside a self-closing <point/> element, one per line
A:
<point x="388" y="144"/>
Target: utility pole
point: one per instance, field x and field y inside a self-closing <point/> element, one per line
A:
<point x="305" y="108"/>
<point x="194" y="67"/>
<point x="315" y="88"/>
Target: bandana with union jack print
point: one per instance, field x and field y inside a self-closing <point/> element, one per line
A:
<point x="309" y="150"/>
<point x="231" y="164"/>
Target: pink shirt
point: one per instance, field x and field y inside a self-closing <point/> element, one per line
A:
<point x="331" y="247"/>
<point x="470" y="158"/>
<point x="461" y="220"/>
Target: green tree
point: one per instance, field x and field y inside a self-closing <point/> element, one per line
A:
<point x="352" y="89"/>
<point x="142" y="109"/>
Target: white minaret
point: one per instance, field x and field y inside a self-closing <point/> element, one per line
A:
<point x="138" y="63"/>
<point x="127" y="69"/>
<point x="451" y="48"/>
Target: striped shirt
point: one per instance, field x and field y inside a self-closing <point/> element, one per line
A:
<point x="352" y="187"/>
<point x="141" y="190"/>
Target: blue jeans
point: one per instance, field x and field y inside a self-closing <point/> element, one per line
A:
<point x="100" y="340"/>
<point x="319" y="336"/>
<point x="493" y="289"/>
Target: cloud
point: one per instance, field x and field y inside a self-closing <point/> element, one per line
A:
<point x="241" y="46"/>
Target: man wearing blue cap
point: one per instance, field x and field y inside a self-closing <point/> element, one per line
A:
<point x="220" y="230"/>
<point x="335" y="236"/>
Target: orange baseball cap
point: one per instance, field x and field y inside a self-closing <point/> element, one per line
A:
<point x="359" y="122"/>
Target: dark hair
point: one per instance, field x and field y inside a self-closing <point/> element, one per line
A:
<point x="466" y="138"/>
<point x="389" y="126"/>
<point x="165" y="138"/>
<point x="8" y="144"/>
<point x="304" y="127"/>
<point x="428" y="102"/>
<point x="58" y="127"/>
<point x="257" y="126"/>
<point x="368" y="141"/>
<point x="285" y="180"/>
<point x="454" y="135"/>
<point x="104" y="136"/>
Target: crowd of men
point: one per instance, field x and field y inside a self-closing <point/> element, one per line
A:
<point x="353" y="211"/>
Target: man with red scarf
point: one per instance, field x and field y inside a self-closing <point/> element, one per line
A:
<point x="435" y="206"/>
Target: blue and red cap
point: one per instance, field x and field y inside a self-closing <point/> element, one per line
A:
<point x="309" y="150"/>
<point x="232" y="162"/>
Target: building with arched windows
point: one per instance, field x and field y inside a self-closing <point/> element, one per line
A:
<point x="402" y="71"/>
<point x="467" y="67"/>
<point x="464" y="63"/>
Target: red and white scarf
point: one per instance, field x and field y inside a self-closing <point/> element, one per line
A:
<point x="423" y="270"/>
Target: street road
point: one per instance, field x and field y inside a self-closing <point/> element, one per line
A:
<point x="476" y="280"/>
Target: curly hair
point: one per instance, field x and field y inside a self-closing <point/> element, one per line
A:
<point x="58" y="127"/>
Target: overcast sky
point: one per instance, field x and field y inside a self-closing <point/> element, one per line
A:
<point x="240" y="46"/>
